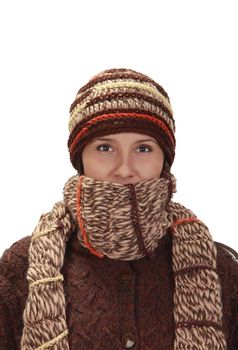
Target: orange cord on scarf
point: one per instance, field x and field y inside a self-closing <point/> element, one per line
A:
<point x="183" y="221"/>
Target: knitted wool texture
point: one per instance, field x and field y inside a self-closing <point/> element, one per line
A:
<point x="120" y="100"/>
<point x="123" y="222"/>
<point x="197" y="294"/>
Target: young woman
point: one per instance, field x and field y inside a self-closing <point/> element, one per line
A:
<point x="117" y="264"/>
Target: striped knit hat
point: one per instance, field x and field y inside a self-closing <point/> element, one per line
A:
<point x="120" y="100"/>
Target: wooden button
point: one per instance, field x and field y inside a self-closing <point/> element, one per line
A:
<point x="128" y="340"/>
<point x="125" y="276"/>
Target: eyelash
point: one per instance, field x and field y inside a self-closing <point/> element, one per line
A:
<point x="105" y="145"/>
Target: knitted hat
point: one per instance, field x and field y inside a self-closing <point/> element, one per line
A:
<point x="120" y="100"/>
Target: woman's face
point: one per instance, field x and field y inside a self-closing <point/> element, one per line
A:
<point x="125" y="158"/>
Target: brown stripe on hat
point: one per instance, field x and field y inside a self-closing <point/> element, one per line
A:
<point x="122" y="74"/>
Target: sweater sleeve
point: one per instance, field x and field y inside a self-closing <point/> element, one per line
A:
<point x="13" y="293"/>
<point x="227" y="263"/>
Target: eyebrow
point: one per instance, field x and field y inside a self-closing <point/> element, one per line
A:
<point x="113" y="140"/>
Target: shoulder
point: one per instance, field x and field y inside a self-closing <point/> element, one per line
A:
<point x="225" y="249"/>
<point x="15" y="257"/>
<point x="227" y="260"/>
<point x="13" y="268"/>
<point x="13" y="292"/>
<point x="227" y="268"/>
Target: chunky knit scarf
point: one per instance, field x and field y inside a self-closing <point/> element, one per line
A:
<point x="124" y="222"/>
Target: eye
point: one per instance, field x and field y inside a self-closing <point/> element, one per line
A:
<point x="103" y="148"/>
<point x="144" y="149"/>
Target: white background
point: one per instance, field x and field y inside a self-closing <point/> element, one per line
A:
<point x="50" y="48"/>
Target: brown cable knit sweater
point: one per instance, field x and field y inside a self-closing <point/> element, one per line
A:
<point x="112" y="304"/>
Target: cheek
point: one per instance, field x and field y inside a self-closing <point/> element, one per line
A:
<point x="87" y="163"/>
<point x="90" y="166"/>
<point x="95" y="168"/>
<point x="155" y="170"/>
<point x="152" y="168"/>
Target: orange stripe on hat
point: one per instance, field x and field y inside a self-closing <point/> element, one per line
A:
<point x="93" y="121"/>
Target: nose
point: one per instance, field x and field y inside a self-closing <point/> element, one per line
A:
<point x="124" y="167"/>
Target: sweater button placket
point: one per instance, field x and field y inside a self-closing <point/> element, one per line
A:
<point x="127" y="289"/>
